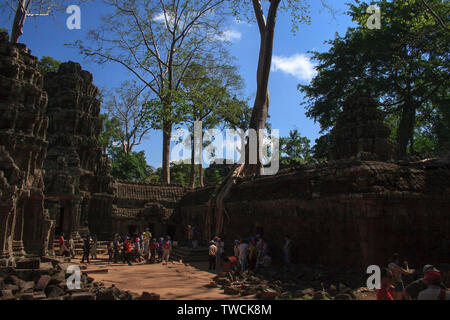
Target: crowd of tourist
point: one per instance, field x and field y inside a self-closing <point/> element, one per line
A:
<point x="432" y="286"/>
<point x="251" y="253"/>
<point x="128" y="249"/>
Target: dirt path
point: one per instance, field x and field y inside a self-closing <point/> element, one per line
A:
<point x="172" y="281"/>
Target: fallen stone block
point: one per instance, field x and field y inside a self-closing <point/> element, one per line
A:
<point x="26" y="296"/>
<point x="54" y="291"/>
<point x="343" y="296"/>
<point x="83" y="296"/>
<point x="149" y="296"/>
<point x="7" y="295"/>
<point x="27" y="286"/>
<point x="29" y="263"/>
<point x="42" y="283"/>
<point x="318" y="295"/>
<point x="267" y="294"/>
<point x="39" y="295"/>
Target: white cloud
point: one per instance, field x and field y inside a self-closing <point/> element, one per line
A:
<point x="297" y="65"/>
<point x="162" y="19"/>
<point x="229" y="35"/>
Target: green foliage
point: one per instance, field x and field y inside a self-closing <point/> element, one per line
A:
<point x="110" y="134"/>
<point x="321" y="148"/>
<point x="295" y="149"/>
<point x="48" y="64"/>
<point x="131" y="166"/>
<point x="405" y="64"/>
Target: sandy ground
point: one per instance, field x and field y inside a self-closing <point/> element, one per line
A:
<point x="174" y="281"/>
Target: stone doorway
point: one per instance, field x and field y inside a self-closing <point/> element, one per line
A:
<point x="59" y="228"/>
<point x="132" y="229"/>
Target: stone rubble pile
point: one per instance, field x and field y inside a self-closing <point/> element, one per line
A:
<point x="35" y="280"/>
<point x="300" y="282"/>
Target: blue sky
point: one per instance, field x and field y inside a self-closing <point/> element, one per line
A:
<point x="46" y="36"/>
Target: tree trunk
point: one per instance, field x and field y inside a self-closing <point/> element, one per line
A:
<point x="405" y="130"/>
<point x="200" y="175"/>
<point x="216" y="209"/>
<point x="167" y="128"/>
<point x="19" y="21"/>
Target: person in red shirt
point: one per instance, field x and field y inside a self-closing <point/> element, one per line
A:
<point x="127" y="251"/>
<point x="153" y="248"/>
<point x="385" y="292"/>
<point x="62" y="245"/>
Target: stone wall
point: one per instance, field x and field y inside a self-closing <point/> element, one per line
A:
<point x="138" y="206"/>
<point x="346" y="213"/>
<point x="24" y="224"/>
<point x="77" y="180"/>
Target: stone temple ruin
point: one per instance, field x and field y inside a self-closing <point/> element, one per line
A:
<point x="53" y="175"/>
<point x="353" y="211"/>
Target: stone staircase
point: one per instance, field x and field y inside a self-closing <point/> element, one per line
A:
<point x="186" y="255"/>
<point x="101" y="246"/>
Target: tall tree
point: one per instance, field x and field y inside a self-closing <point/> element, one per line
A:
<point x="295" y="149"/>
<point x="125" y="105"/>
<point x="157" y="41"/>
<point x="209" y="97"/>
<point x="254" y="10"/>
<point x="405" y="64"/>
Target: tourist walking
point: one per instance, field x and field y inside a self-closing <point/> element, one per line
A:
<point x="62" y="245"/>
<point x="220" y="251"/>
<point x="116" y="248"/>
<point x="167" y="247"/>
<point x="243" y="255"/>
<point x="94" y="247"/>
<point x="71" y="247"/>
<point x="236" y="248"/>
<point x="147" y="235"/>
<point x="127" y="250"/>
<point x="212" y="255"/>
<point x="252" y="255"/>
<point x="160" y="249"/>
<point x="86" y="249"/>
<point x="137" y="249"/>
<point x="110" y="251"/>
<point x="153" y="248"/>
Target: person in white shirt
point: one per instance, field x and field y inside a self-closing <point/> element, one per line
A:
<point x="434" y="290"/>
<point x="212" y="255"/>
